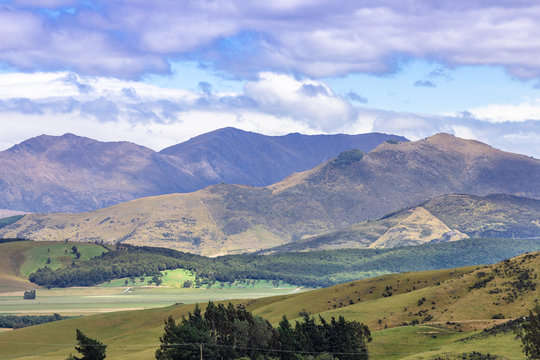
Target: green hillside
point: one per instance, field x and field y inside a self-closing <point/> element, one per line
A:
<point x="448" y="306"/>
<point x="309" y="269"/>
<point x="20" y="258"/>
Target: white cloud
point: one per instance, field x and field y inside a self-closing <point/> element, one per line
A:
<point x="273" y="104"/>
<point x="309" y="101"/>
<point x="527" y="110"/>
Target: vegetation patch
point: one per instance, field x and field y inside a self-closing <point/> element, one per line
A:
<point x="17" y="322"/>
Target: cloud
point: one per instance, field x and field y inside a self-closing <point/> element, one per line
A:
<point x="526" y="110"/>
<point x="273" y="104"/>
<point x="101" y="108"/>
<point x="440" y="73"/>
<point x="312" y="90"/>
<point x="205" y="87"/>
<point x="305" y="100"/>
<point x="351" y="95"/>
<point x="316" y="39"/>
<point x="424" y="83"/>
<point x="509" y="136"/>
<point x="73" y="79"/>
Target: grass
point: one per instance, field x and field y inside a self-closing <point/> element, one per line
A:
<point x="176" y="278"/>
<point x="83" y="301"/>
<point x="405" y="341"/>
<point x="171" y="278"/>
<point x="60" y="254"/>
<point x="135" y="335"/>
<point x="387" y="301"/>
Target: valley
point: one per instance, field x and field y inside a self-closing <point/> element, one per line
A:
<point x="411" y="315"/>
<point x="269" y="180"/>
<point x="428" y="243"/>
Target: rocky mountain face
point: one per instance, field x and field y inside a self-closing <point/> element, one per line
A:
<point x="349" y="189"/>
<point x="72" y="173"/>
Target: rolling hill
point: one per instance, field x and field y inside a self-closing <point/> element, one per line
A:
<point x="444" y="218"/>
<point x="447" y="306"/>
<point x="352" y="188"/>
<point x="73" y="173"/>
<point x="20" y="258"/>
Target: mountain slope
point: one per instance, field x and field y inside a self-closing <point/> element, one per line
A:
<point x="351" y="188"/>
<point x="240" y="157"/>
<point x="72" y="173"/>
<point x="445" y="218"/>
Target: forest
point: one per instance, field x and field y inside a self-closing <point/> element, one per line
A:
<point x="309" y="269"/>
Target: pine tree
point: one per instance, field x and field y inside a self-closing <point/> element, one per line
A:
<point x="287" y="339"/>
<point x="90" y="349"/>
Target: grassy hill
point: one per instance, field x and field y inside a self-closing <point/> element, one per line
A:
<point x="445" y="218"/>
<point x="20" y="258"/>
<point x="354" y="187"/>
<point x="447" y="304"/>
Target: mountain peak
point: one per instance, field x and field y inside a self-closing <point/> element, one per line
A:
<point x="43" y="142"/>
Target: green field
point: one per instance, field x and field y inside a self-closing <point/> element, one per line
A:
<point x="457" y="308"/>
<point x="135" y="335"/>
<point x="176" y="278"/>
<point x="60" y="254"/>
<point x="81" y="301"/>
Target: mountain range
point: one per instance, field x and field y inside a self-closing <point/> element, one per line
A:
<point x="73" y="173"/>
<point x="341" y="192"/>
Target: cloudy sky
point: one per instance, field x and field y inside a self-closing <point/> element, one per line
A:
<point x="159" y="72"/>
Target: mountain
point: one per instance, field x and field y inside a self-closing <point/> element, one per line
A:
<point x="352" y="188"/>
<point x="240" y="157"/>
<point x="445" y="218"/>
<point x="73" y="173"/>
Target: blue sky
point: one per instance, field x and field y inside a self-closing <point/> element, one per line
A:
<point x="160" y="72"/>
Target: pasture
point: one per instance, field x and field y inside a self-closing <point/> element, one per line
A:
<point x="93" y="300"/>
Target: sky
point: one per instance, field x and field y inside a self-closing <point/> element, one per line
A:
<point x="160" y="72"/>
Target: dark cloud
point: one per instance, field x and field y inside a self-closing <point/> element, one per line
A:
<point x="130" y="93"/>
<point x="73" y="79"/>
<point x="169" y="109"/>
<point x="205" y="87"/>
<point x="351" y="95"/>
<point x="128" y="38"/>
<point x="313" y="90"/>
<point x="424" y="83"/>
<point x="22" y="105"/>
<point x="102" y="109"/>
<point x="440" y="73"/>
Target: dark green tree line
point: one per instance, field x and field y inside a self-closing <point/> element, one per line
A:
<point x="232" y="332"/>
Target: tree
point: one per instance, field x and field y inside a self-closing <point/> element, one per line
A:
<point x="287" y="340"/>
<point x="186" y="340"/>
<point x="530" y="334"/>
<point x="90" y="349"/>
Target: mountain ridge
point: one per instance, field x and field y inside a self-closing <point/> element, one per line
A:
<point x="73" y="173"/>
<point x="349" y="189"/>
